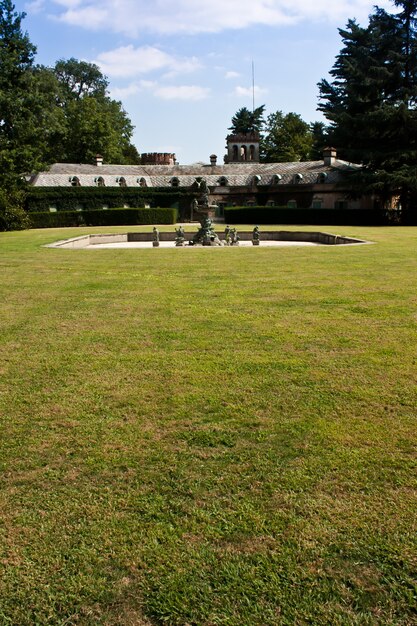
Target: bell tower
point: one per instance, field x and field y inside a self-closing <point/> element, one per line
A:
<point x="243" y="148"/>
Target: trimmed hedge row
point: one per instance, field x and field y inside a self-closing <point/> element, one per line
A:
<point x="108" y="217"/>
<point x="409" y="218"/>
<point x="40" y="199"/>
<point x="283" y="215"/>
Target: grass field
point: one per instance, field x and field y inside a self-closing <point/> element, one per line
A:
<point x="208" y="436"/>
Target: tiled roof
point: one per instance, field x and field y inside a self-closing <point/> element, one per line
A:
<point x="237" y="174"/>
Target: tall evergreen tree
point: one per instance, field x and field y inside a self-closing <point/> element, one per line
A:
<point x="371" y="102"/>
<point x="245" y="121"/>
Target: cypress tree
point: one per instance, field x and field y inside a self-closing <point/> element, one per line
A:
<point x="371" y="103"/>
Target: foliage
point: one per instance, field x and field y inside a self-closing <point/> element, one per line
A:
<point x="108" y="217"/>
<point x="94" y="123"/>
<point x="284" y="215"/>
<point x="12" y="214"/>
<point x="29" y="117"/>
<point x="287" y="138"/>
<point x="245" y="121"/>
<point x="371" y="102"/>
<point x="320" y="140"/>
<point x="80" y="79"/>
<point x="72" y="198"/>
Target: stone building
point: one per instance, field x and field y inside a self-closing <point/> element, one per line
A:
<point x="240" y="181"/>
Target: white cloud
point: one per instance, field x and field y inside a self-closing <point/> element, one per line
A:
<point x="34" y="7"/>
<point x="130" y="61"/>
<point x="232" y="75"/>
<point x="165" y="92"/>
<point x="182" y="92"/>
<point x="248" y="91"/>
<point x="196" y="16"/>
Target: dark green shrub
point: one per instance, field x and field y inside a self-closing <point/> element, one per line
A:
<point x="40" y="199"/>
<point x="108" y="217"/>
<point x="283" y="215"/>
<point x="409" y="218"/>
<point x="12" y="214"/>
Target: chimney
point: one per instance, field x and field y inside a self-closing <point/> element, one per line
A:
<point x="99" y="160"/>
<point x="329" y="156"/>
<point x="213" y="160"/>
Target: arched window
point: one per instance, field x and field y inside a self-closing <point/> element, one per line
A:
<point x="122" y="181"/>
<point x="142" y="182"/>
<point x="256" y="179"/>
<point x="75" y="181"/>
<point x="322" y="177"/>
<point x="223" y="182"/>
<point x="235" y="153"/>
<point x="175" y="182"/>
<point x="100" y="181"/>
<point x="243" y="153"/>
<point x="298" y="178"/>
<point x="276" y="179"/>
<point x="317" y="203"/>
<point x="251" y="153"/>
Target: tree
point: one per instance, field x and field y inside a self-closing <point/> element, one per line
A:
<point x="95" y="123"/>
<point x="245" y="121"/>
<point x="371" y="102"/>
<point x="287" y="138"/>
<point x="29" y="117"/>
<point x="97" y="126"/>
<point x="320" y="140"/>
<point x="80" y="79"/>
<point x="20" y="131"/>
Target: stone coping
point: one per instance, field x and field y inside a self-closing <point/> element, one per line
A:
<point x="317" y="237"/>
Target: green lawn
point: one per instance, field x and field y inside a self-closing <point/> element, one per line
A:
<point x="208" y="436"/>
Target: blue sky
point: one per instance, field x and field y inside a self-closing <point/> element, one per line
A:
<point x="182" y="68"/>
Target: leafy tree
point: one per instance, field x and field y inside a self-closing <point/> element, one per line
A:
<point x="29" y="117"/>
<point x="21" y="129"/>
<point x="95" y="124"/>
<point x="245" y="121"/>
<point x="371" y="102"/>
<point x="80" y="79"/>
<point x="287" y="138"/>
<point x="12" y="214"/>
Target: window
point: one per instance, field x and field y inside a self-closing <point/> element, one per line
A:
<point x="234" y="157"/>
<point x="75" y="181"/>
<point x="223" y="182"/>
<point x="100" y="181"/>
<point x="251" y="153"/>
<point x="317" y="203"/>
<point x="256" y="180"/>
<point x="322" y="177"/>
<point x="142" y="182"/>
<point x="175" y="182"/>
<point x="270" y="203"/>
<point x="122" y="181"/>
<point x="243" y="153"/>
<point x="298" y="178"/>
<point x="276" y="179"/>
<point x="341" y="204"/>
<point x="292" y="204"/>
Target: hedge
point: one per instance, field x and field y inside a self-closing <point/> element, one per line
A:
<point x="409" y="218"/>
<point x="108" y="217"/>
<point x="40" y="199"/>
<point x="283" y="215"/>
